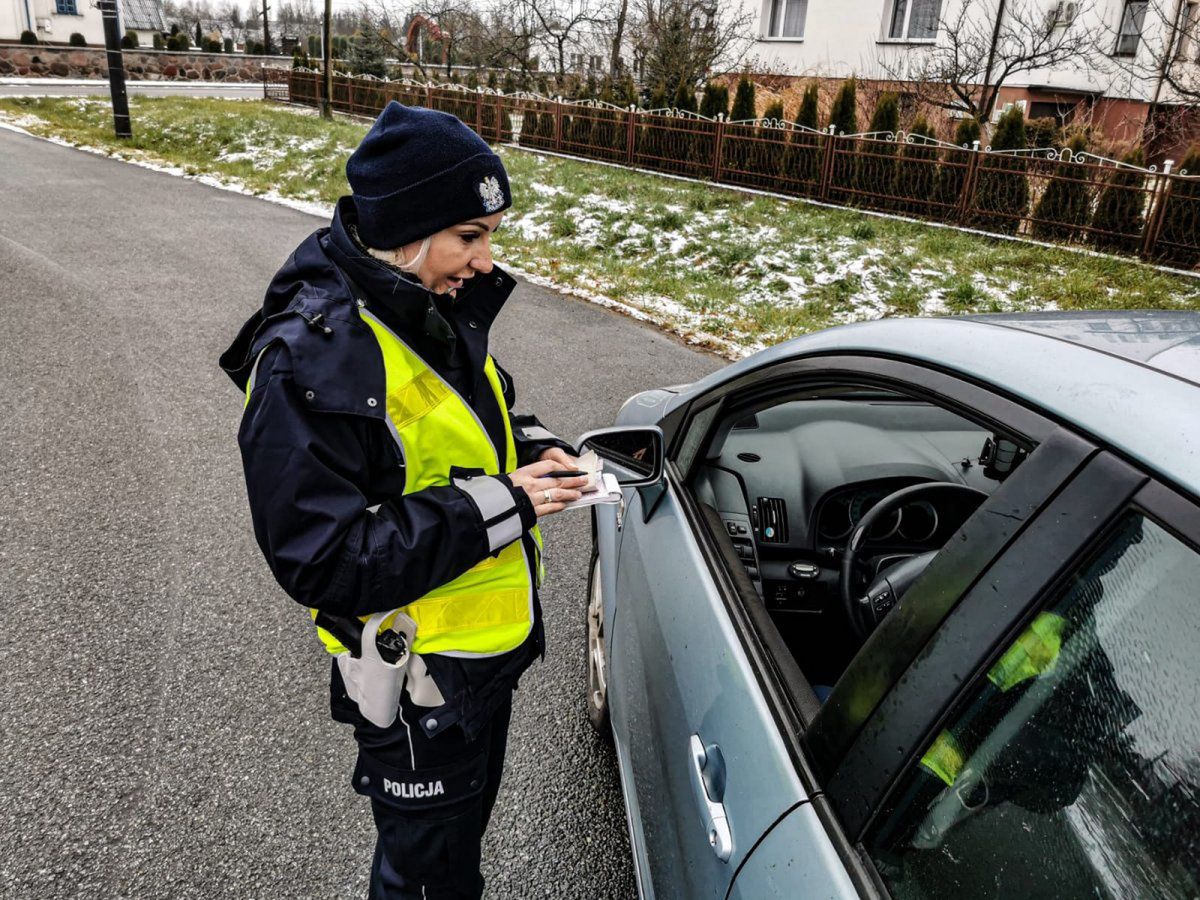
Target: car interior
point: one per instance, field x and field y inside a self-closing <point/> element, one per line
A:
<point x="836" y="499"/>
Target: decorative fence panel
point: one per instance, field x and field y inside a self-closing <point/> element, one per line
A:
<point x="1047" y="195"/>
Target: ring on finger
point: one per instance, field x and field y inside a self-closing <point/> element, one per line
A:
<point x="546" y="494"/>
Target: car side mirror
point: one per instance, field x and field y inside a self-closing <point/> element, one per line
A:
<point x="635" y="451"/>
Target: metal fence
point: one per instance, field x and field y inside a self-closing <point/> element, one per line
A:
<point x="1049" y="195"/>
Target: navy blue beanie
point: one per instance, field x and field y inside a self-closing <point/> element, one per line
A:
<point x="418" y="171"/>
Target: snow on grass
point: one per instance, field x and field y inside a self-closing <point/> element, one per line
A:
<point x="728" y="270"/>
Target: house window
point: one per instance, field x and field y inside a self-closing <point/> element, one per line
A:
<point x="1131" y="27"/>
<point x="787" y="18"/>
<point x="576" y="63"/>
<point x="65" y="7"/>
<point x="914" y="20"/>
<point x="594" y="63"/>
<point x="1189" y="34"/>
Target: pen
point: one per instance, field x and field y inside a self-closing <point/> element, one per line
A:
<point x="564" y="474"/>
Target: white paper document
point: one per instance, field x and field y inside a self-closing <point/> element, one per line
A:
<point x="607" y="491"/>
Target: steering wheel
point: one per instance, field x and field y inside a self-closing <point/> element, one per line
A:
<point x="867" y="611"/>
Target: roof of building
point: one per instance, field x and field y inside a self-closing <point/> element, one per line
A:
<point x="144" y="15"/>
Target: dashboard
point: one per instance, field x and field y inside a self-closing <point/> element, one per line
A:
<point x="791" y="483"/>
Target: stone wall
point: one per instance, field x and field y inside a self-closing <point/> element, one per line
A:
<point x="42" y="60"/>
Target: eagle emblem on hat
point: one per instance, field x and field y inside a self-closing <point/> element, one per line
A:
<point x="491" y="194"/>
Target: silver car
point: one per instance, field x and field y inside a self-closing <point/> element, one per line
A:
<point x="911" y="608"/>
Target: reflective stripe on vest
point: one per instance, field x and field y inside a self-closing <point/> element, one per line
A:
<point x="1031" y="654"/>
<point x="1034" y="652"/>
<point x="488" y="609"/>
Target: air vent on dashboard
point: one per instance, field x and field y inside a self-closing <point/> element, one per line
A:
<point x="772" y="520"/>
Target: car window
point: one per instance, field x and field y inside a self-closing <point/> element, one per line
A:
<point x="1072" y="769"/>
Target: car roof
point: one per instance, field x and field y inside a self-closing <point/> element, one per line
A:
<point x="1131" y="380"/>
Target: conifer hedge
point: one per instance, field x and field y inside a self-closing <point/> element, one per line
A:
<point x="802" y="162"/>
<point x="1002" y="196"/>
<point x="738" y="138"/>
<point x="951" y="175"/>
<point x="876" y="156"/>
<point x="843" y="116"/>
<point x="1119" y="217"/>
<point x="1066" y="204"/>
<point x="917" y="172"/>
<point x="1179" y="238"/>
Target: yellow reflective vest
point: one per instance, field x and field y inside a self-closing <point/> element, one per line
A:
<point x="488" y="610"/>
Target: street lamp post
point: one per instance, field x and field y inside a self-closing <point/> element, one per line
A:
<point x="327" y="61"/>
<point x="116" y="68"/>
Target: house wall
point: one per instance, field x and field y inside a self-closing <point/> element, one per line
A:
<point x="48" y="24"/>
<point x="847" y="37"/>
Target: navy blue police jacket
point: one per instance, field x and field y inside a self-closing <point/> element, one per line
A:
<point x="325" y="478"/>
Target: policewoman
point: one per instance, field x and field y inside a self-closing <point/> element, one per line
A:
<point x="393" y="491"/>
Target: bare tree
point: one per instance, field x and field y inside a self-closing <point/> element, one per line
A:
<point x="681" y="41"/>
<point x="983" y="44"/>
<point x="618" y="38"/>
<point x="562" y="25"/>
<point x="450" y="29"/>
<point x="1158" y="43"/>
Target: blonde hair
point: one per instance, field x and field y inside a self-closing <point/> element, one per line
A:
<point x="396" y="257"/>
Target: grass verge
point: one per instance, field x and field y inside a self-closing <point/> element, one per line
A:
<point x="733" y="270"/>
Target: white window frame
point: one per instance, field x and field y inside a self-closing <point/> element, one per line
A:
<point x="775" y="14"/>
<point x="889" y="11"/>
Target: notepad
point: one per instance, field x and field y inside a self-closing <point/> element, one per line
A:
<point x="602" y="487"/>
<point x="608" y="490"/>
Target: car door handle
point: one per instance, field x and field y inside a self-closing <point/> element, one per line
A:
<point x="708" y="781"/>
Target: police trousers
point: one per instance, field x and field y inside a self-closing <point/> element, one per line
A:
<point x="431" y="798"/>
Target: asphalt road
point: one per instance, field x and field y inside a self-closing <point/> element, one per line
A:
<point x="68" y="87"/>
<point x="164" y="713"/>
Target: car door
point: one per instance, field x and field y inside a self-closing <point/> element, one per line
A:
<point x="1064" y="758"/>
<point x="707" y="771"/>
<point x="682" y="678"/>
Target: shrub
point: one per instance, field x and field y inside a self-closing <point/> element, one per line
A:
<point x="769" y="151"/>
<point x="212" y="45"/>
<point x="685" y="97"/>
<point x="608" y="128"/>
<point x="947" y="190"/>
<point x="843" y="116"/>
<point x="199" y="35"/>
<point x="715" y="100"/>
<point x="917" y="172"/>
<point x="739" y="139"/>
<point x="1179" y="239"/>
<point x="28" y="37"/>
<point x="658" y="97"/>
<point x="877" y="156"/>
<point x="1066" y="203"/>
<point x="314" y="46"/>
<point x="78" y="40"/>
<point x="1002" y="197"/>
<point x="802" y="161"/>
<point x="1044" y="132"/>
<point x="174" y="28"/>
<point x="227" y="45"/>
<point x="255" y="48"/>
<point x="158" y="42"/>
<point x="743" y="101"/>
<point x="1119" y="219"/>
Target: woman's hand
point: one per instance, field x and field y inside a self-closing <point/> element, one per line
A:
<point x="548" y="495"/>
